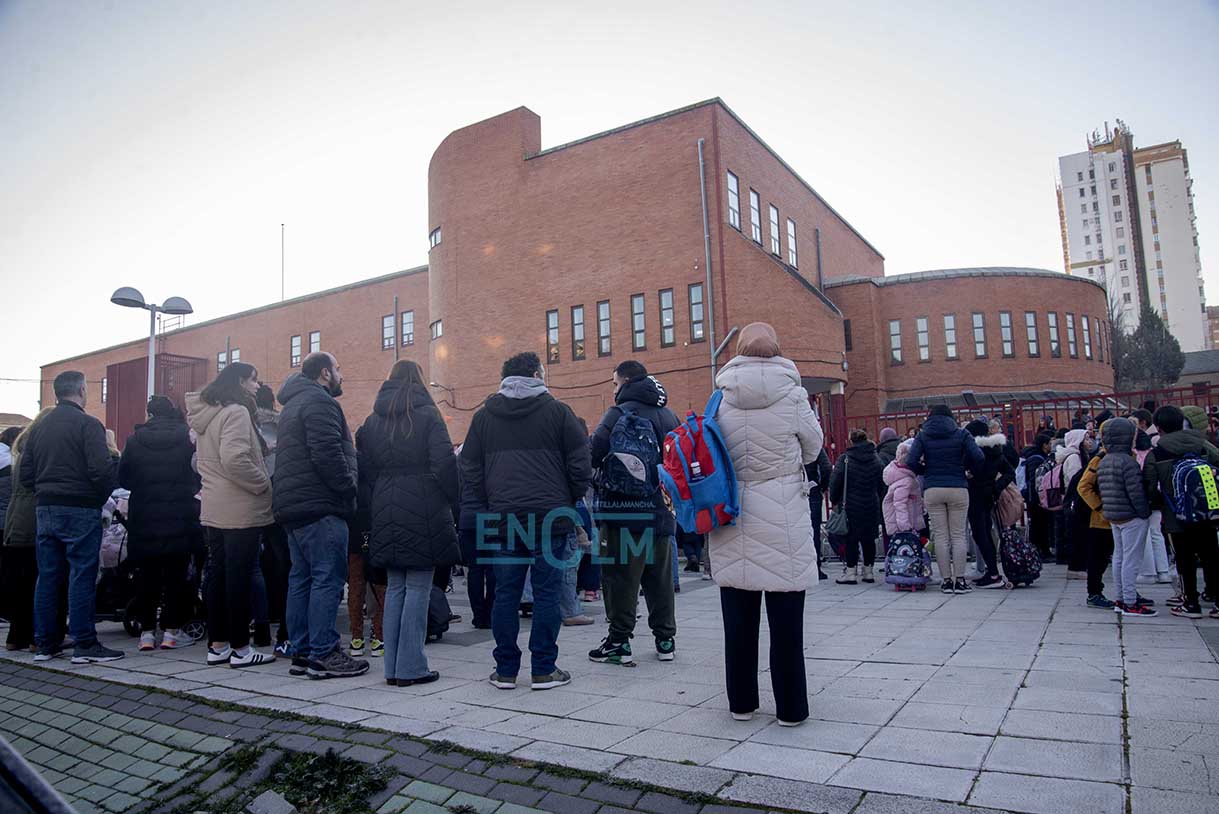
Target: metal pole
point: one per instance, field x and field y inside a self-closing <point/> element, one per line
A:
<point x="708" y="301"/>
<point x="152" y="350"/>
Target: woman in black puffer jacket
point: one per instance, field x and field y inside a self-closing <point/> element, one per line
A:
<point x="162" y="518"/>
<point x="857" y="483"/>
<point x="406" y="462"/>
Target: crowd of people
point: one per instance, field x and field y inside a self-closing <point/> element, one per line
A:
<point x="273" y="514"/>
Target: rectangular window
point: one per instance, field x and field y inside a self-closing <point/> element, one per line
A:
<point x="1072" y="348"/>
<point x="950" y="336"/>
<point x="552" y="338"/>
<point x="434" y="238"/>
<point x="603" y="328"/>
<point x="1007" y="343"/>
<point x="1121" y="264"/>
<point x="847" y="342"/>
<point x="895" y="341"/>
<point x="792" y="258"/>
<point x="923" y="335"/>
<point x="1112" y="183"/>
<point x="1112" y="166"/>
<point x="774" y="230"/>
<point x="697" y="316"/>
<point x="387" y="331"/>
<point x="315" y="341"/>
<point x="1121" y="231"/>
<point x="1121" y="248"/>
<point x="979" y="324"/>
<point x="105" y="389"/>
<point x="222" y="361"/>
<point x="1087" y="240"/>
<point x="577" y="332"/>
<point x="638" y="328"/>
<point x="1083" y="208"/>
<point x="1100" y="341"/>
<point x="1117" y="216"/>
<point x="755" y="217"/>
<point x="734" y="202"/>
<point x="408" y="328"/>
<point x="436" y="329"/>
<point x="1093" y="186"/>
<point x="668" y="331"/>
<point x="234" y="356"/>
<point x="1082" y="193"/>
<point x="1079" y="176"/>
<point x="1083" y="320"/>
<point x="1030" y="331"/>
<point x="1117" y="200"/>
<point x="1051" y="320"/>
<point x="294" y="352"/>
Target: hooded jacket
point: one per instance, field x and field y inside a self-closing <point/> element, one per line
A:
<point x="1070" y="455"/>
<point x="941" y="453"/>
<point x="236" y="487"/>
<point x="771" y="434"/>
<point x="525" y="454"/>
<point x="1157" y="470"/>
<point x="67" y="460"/>
<point x="646" y="397"/>
<point x="1121" y="483"/>
<point x="315" y="458"/>
<point x="409" y="473"/>
<point x="860" y="472"/>
<point x="156" y="467"/>
<point x="995" y="472"/>
<point x="886" y="450"/>
<point x="903" y="502"/>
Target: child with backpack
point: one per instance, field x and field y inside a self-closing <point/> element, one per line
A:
<point x="1126" y="509"/>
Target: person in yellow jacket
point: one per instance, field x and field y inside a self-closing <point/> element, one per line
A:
<point x="1100" y="535"/>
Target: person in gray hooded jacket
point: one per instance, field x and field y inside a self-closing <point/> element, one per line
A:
<point x="1124" y="504"/>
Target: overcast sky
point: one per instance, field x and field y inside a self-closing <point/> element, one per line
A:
<point x="161" y="145"/>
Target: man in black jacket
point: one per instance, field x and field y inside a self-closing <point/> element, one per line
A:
<point x="72" y="470"/>
<point x="313" y="497"/>
<point x="636" y="552"/>
<point x="524" y="464"/>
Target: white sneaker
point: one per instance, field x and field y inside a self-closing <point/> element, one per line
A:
<point x="173" y="639"/>
<point x="148" y="641"/>
<point x="252" y="658"/>
<point x="215" y="657"/>
<point x="742" y="716"/>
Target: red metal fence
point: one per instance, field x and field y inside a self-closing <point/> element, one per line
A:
<point x="127" y="388"/>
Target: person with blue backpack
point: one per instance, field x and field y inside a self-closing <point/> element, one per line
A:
<point x="771" y="434"/>
<point x="1167" y="478"/>
<point x="637" y="529"/>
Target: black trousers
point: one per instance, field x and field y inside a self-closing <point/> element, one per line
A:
<point x="742" y="611"/>
<point x="860" y="536"/>
<point x="814" y="512"/>
<point x="1040" y="531"/>
<point x="480" y="579"/>
<point x="160" y="582"/>
<point x="276" y="565"/>
<point x="981" y="508"/>
<point x="231" y="554"/>
<point x="1100" y="551"/>
<point x="1194" y="544"/>
<point x="1074" y="539"/>
<point x="18" y="575"/>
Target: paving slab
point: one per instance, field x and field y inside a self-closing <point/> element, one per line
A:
<point x="906" y="778"/>
<point x="1047" y="795"/>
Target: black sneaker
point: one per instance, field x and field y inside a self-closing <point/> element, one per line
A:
<point x="666" y="649"/>
<point x="946" y="587"/>
<point x="95" y="654"/>
<point x="337" y="665"/>
<point x="1190" y="610"/>
<point x="556" y="679"/>
<point x="989" y="581"/>
<point x="612" y="652"/>
<point x="1139" y="599"/>
<point x="962" y="586"/>
<point x="49" y="652"/>
<point x="692" y="566"/>
<point x="300" y="666"/>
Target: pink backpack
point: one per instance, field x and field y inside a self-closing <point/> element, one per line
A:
<point x="1051" y="490"/>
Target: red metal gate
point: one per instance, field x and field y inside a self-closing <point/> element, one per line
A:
<point x="127" y="388"/>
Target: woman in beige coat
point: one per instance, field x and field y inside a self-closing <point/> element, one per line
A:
<point x="771" y="433"/>
<point x="236" y="507"/>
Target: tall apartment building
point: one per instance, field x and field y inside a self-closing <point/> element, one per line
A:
<point x="1127" y="222"/>
<point x="1212" y="326"/>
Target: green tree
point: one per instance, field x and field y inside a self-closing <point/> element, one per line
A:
<point x="1149" y="358"/>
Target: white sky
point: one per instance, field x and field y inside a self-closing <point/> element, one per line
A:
<point x="160" y="145"/>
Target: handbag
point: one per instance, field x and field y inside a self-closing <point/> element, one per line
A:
<point x="837" y="524"/>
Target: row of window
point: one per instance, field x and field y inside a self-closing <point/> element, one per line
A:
<point x="1007" y="339"/>
<point x="1079" y="176"/>
<point x="668" y="325"/>
<point x="755" y="221"/>
<point x="225" y="358"/>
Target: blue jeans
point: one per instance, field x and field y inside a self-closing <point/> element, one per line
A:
<point x="68" y="546"/>
<point x="406" y="607"/>
<point x="315" y="586"/>
<point x="545" y="566"/>
<point x="569" y="601"/>
<point x="676" y="573"/>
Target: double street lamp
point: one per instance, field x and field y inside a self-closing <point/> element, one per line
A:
<point x="131" y="298"/>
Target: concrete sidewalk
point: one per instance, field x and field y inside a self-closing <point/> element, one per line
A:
<point x="1019" y="700"/>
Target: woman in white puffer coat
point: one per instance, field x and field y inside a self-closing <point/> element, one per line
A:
<point x="771" y="433"/>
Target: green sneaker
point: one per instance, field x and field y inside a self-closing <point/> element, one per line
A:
<point x="377" y="648"/>
<point x="612" y="652"/>
<point x="666" y="649"/>
<point x="357" y="647"/>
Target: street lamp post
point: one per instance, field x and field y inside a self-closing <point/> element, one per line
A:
<point x="131" y="298"/>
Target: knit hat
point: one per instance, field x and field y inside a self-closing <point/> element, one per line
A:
<point x="887" y="434"/>
<point x="977" y="428"/>
<point x="1196" y="417"/>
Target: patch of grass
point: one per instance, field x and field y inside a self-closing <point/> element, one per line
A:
<point x="328" y="784"/>
<point x="242" y="759"/>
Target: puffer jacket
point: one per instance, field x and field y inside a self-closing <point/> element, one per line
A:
<point x="887" y="450"/>
<point x="1088" y="489"/>
<point x="1158" y="466"/>
<point x="995" y="472"/>
<point x="771" y="434"/>
<point x="941" y="452"/>
<point x="20" y="525"/>
<point x="1121" y="482"/>
<point x="903" y="503"/>
<point x="408" y="469"/>
<point x="525" y="454"/>
<point x="315" y="456"/>
<point x="156" y="467"/>
<point x="647" y="398"/>
<point x="860" y="473"/>
<point x="236" y="487"/>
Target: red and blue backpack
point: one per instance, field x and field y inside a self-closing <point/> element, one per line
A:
<point x="697" y="472"/>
